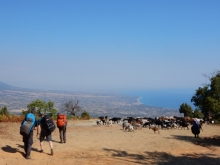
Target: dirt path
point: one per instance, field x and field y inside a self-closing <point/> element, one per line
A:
<point x="91" y="144"/>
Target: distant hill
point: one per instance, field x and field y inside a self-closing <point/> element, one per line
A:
<point x="4" y="86"/>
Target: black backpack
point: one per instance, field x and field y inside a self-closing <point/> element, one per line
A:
<point x="48" y="123"/>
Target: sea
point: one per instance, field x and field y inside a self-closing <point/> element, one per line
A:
<point x="166" y="98"/>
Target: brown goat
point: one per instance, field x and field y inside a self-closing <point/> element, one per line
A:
<point x="155" y="129"/>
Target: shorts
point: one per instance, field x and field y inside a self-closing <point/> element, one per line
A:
<point x="47" y="135"/>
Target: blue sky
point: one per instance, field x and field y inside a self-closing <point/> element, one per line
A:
<point x="96" y="45"/>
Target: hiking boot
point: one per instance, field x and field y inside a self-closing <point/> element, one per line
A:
<point x="51" y="152"/>
<point x="41" y="151"/>
<point x="28" y="157"/>
<point x="61" y="142"/>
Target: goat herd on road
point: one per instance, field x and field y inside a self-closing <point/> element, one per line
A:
<point x="130" y="124"/>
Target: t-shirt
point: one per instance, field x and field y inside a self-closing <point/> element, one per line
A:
<point x="41" y="123"/>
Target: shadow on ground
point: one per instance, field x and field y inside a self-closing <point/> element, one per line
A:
<point x="55" y="141"/>
<point x="10" y="149"/>
<point x="32" y="149"/>
<point x="163" y="158"/>
<point x="205" y="142"/>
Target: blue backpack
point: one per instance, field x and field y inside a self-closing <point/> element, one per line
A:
<point x="27" y="124"/>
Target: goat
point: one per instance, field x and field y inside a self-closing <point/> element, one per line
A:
<point x="125" y="124"/>
<point x="155" y="129"/>
<point x="109" y="123"/>
<point x="137" y="126"/>
<point x="173" y="125"/>
<point x="146" y="124"/>
<point x="129" y="128"/>
<point x="98" y="123"/>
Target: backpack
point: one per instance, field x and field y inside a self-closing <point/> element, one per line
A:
<point x="61" y="120"/>
<point x="27" y="124"/>
<point x="48" y="123"/>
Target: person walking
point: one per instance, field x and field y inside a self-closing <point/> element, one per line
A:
<point x="31" y="124"/>
<point x="44" y="133"/>
<point x="195" y="128"/>
<point x="62" y="124"/>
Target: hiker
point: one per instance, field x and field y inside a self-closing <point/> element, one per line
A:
<point x="27" y="126"/>
<point x="195" y="128"/>
<point x="62" y="124"/>
<point x="44" y="133"/>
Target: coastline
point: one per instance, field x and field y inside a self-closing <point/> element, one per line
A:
<point x="138" y="100"/>
<point x="165" y="99"/>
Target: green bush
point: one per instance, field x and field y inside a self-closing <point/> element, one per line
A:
<point x="4" y="111"/>
<point x="85" y="115"/>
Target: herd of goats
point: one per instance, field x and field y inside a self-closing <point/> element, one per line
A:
<point x="157" y="123"/>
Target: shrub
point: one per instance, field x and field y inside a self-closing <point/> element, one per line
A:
<point x="4" y="118"/>
<point x="85" y="115"/>
<point x="11" y="118"/>
<point x="4" y="111"/>
<point x="14" y="118"/>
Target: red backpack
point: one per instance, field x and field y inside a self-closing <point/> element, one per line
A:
<point x="61" y="120"/>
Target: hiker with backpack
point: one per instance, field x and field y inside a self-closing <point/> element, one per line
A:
<point x="62" y="124"/>
<point x="195" y="128"/>
<point x="46" y="127"/>
<point x="26" y="130"/>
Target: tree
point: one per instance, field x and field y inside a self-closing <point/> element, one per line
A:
<point x="71" y="107"/>
<point x="39" y="105"/>
<point x="51" y="108"/>
<point x="200" y="99"/>
<point x="198" y="114"/>
<point x="42" y="106"/>
<point x="85" y="115"/>
<point x="4" y="111"/>
<point x="207" y="98"/>
<point x="186" y="110"/>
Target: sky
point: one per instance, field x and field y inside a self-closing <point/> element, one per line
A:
<point x="109" y="45"/>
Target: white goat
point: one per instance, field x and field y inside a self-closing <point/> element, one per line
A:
<point x="109" y="123"/>
<point x="129" y="128"/>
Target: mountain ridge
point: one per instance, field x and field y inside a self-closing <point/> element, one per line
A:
<point x="4" y="86"/>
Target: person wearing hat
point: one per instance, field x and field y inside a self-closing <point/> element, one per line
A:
<point x="44" y="133"/>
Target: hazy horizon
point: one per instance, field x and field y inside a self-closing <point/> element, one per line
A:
<point x="163" y="98"/>
<point x="109" y="45"/>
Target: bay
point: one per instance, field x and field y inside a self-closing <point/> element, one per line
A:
<point x="167" y="98"/>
